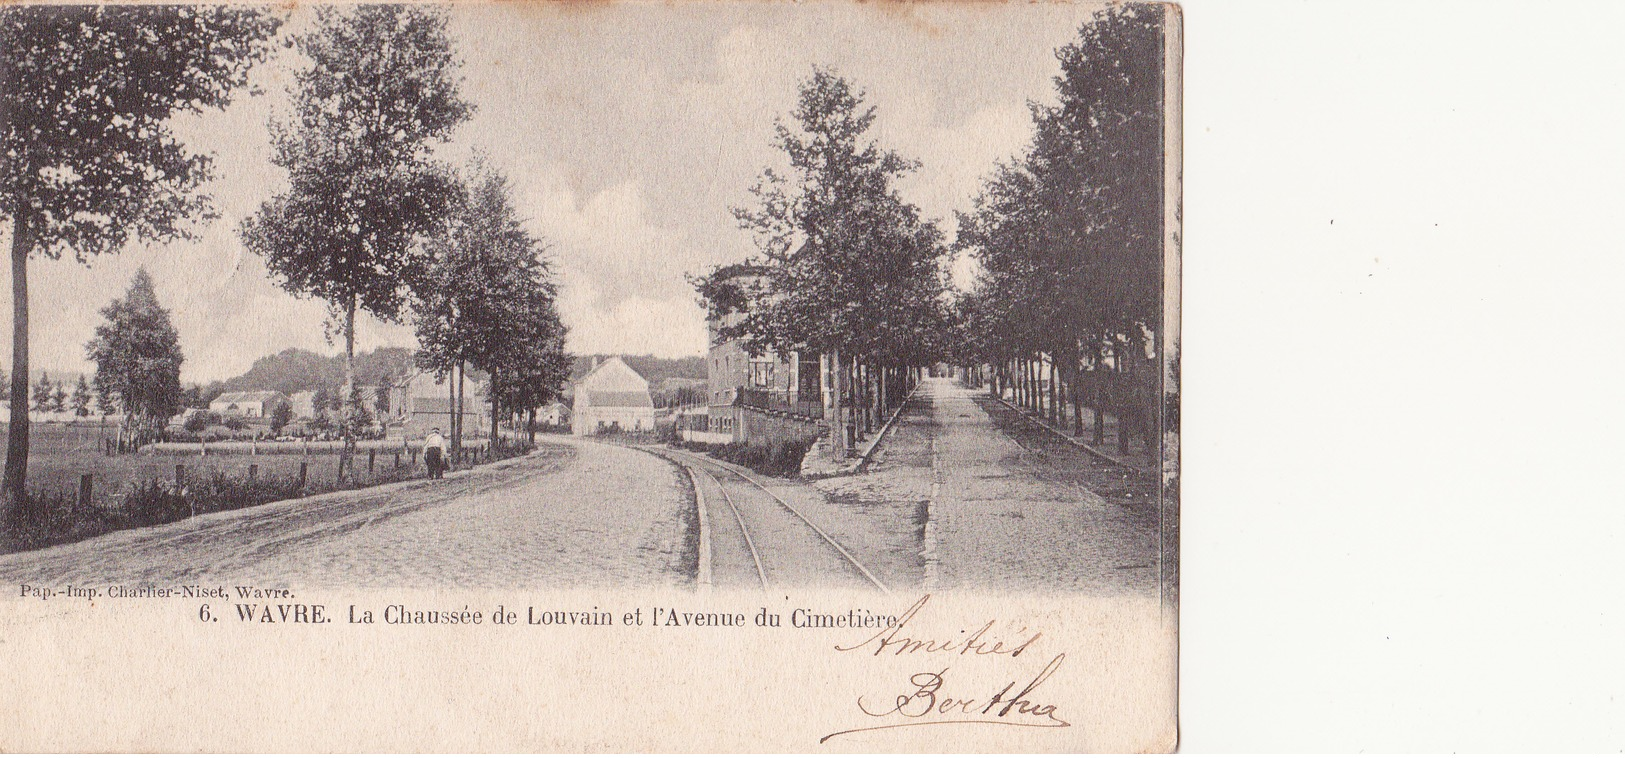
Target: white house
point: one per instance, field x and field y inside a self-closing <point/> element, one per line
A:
<point x="553" y="414"/>
<point x="250" y="404"/>
<point x="422" y="402"/>
<point x="304" y="404"/>
<point x="612" y="397"/>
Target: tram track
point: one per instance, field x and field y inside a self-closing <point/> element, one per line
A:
<point x="785" y="546"/>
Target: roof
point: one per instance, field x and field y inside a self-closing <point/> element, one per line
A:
<point x="248" y="397"/>
<point x="613" y="375"/>
<point x="611" y="399"/>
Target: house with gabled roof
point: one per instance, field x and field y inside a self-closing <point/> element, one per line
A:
<point x="612" y="397"/>
<point x="423" y="401"/>
<point x="248" y="404"/>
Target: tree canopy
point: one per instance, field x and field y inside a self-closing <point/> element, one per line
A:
<point x="1069" y="233"/>
<point x="489" y="300"/>
<point x="88" y="159"/>
<point x="379" y="93"/>
<point x="843" y="262"/>
<point x="138" y="355"/>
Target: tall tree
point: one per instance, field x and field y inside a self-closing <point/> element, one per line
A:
<point x="280" y="416"/>
<point x="138" y="357"/>
<point x="380" y="91"/>
<point x="87" y="157"/>
<point x="1069" y="234"/>
<point x="489" y="301"/>
<point x="845" y="267"/>
<point x="59" y="398"/>
<point x="105" y="404"/>
<point x="81" y="398"/>
<point x="42" y="393"/>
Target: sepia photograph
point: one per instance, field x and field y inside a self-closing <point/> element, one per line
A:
<point x="866" y="311"/>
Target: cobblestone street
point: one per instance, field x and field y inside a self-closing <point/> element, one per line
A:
<point x="574" y="514"/>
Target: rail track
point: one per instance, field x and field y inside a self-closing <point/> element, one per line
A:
<point x="783" y="546"/>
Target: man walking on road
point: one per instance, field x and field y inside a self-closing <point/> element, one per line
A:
<point x="434" y="453"/>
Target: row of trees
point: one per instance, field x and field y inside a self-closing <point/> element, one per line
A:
<point x="54" y="397"/>
<point x="845" y="267"/>
<point x="89" y="162"/>
<point x="1069" y="236"/>
<point x="374" y="222"/>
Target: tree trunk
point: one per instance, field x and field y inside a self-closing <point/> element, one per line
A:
<point x="530" y="427"/>
<point x="1027" y="383"/>
<point x="457" y="419"/>
<point x="1077" y="397"/>
<point x="868" y="395"/>
<point x="495" y="408"/>
<point x="17" y="433"/>
<point x="1036" y="366"/>
<point x="833" y="372"/>
<point x="347" y="416"/>
<point x="880" y="394"/>
<point x="1055" y="392"/>
<point x="1019" y="392"/>
<point x="854" y="382"/>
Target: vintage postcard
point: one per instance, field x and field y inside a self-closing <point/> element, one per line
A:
<point x="713" y="376"/>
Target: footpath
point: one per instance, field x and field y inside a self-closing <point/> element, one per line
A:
<point x="1005" y="506"/>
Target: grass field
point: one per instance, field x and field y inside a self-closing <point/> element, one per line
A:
<point x="59" y="455"/>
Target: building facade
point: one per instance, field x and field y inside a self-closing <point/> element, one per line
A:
<point x="740" y="383"/>
<point x="247" y="404"/>
<point x="612" y="397"/>
<point x="423" y="401"/>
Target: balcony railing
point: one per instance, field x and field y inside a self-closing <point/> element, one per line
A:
<point x="779" y="400"/>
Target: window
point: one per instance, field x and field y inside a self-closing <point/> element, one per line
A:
<point x="761" y="374"/>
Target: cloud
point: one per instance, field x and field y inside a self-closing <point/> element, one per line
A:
<point x="672" y="326"/>
<point x="628" y="133"/>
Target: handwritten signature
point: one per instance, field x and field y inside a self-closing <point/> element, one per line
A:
<point x="979" y="642"/>
<point x="924" y="703"/>
<point x="929" y="699"/>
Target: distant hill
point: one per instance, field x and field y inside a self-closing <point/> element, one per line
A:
<point x="294" y="370"/>
<point x="656" y="370"/>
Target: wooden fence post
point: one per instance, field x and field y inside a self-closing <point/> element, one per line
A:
<point x="84" y="490"/>
<point x="397" y="459"/>
<point x="180" y="475"/>
<point x="372" y="458"/>
<point x="304" y="468"/>
<point x="253" y="471"/>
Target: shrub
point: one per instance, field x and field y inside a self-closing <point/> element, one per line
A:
<point x="776" y="458"/>
<point x="50" y="519"/>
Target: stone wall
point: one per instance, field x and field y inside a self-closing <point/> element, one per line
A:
<point x="759" y="426"/>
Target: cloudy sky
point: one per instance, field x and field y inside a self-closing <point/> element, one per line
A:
<point x="628" y="131"/>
